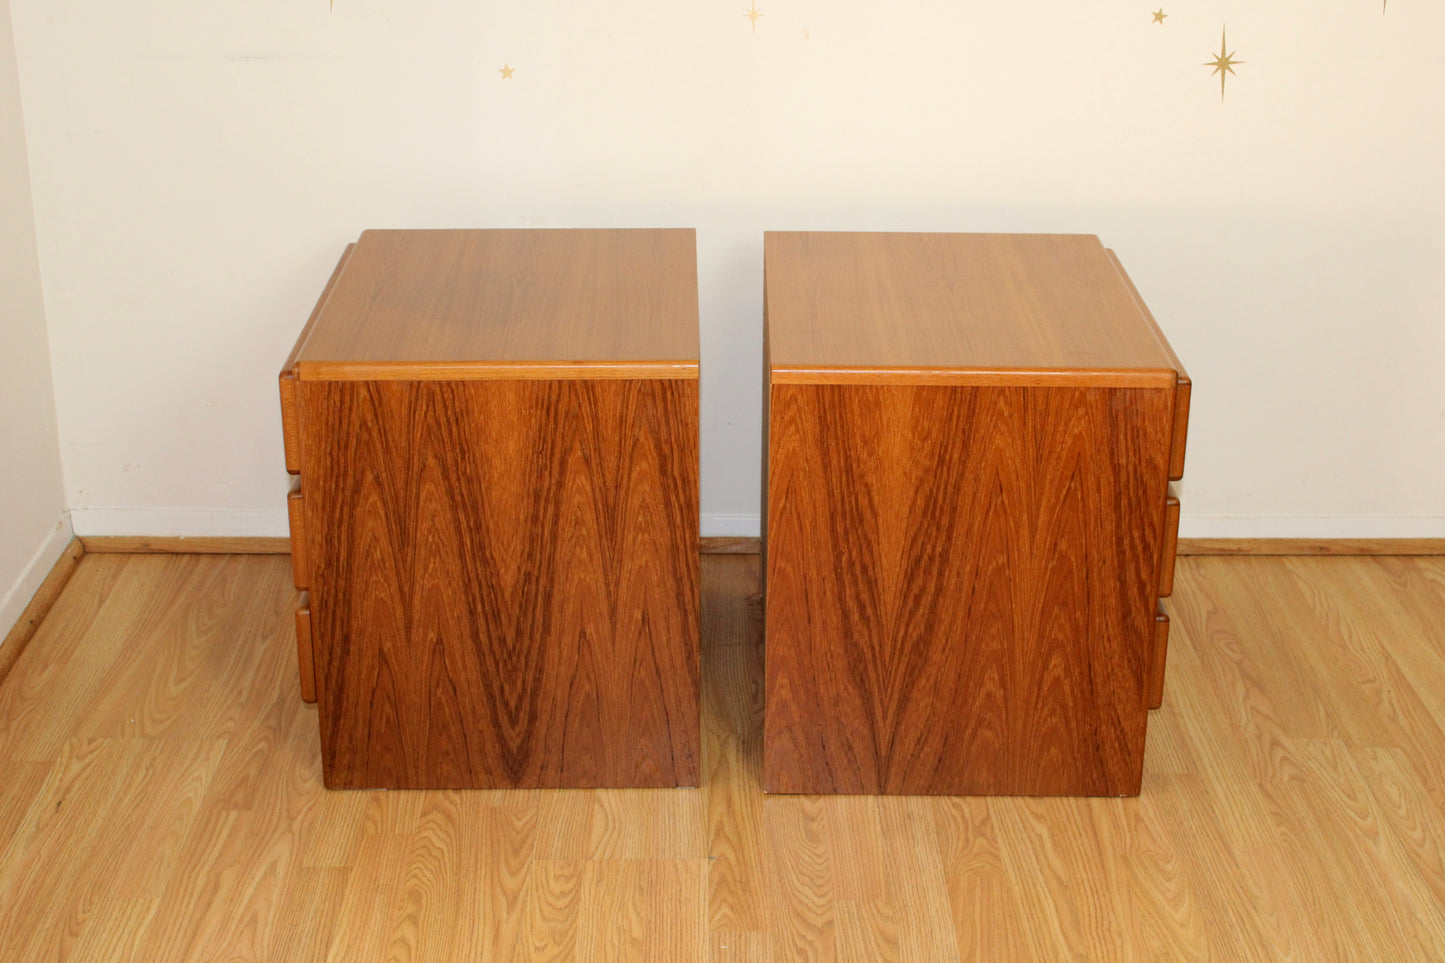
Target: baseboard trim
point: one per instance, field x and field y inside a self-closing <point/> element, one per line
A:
<point x="1312" y="546"/>
<point x="182" y="522"/>
<point x="719" y="525"/>
<point x="17" y="595"/>
<point x="187" y="545"/>
<point x="40" y="605"/>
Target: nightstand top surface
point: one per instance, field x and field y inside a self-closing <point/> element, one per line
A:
<point x="423" y="304"/>
<point x="954" y="307"/>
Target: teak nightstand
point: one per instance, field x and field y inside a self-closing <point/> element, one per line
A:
<point x="968" y="522"/>
<point x="496" y="434"/>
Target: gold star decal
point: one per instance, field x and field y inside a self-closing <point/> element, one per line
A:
<point x="753" y="14"/>
<point x="1224" y="64"/>
<point x="1159" y="15"/>
<point x="506" y="71"/>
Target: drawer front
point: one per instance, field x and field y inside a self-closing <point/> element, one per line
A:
<point x="1171" y="544"/>
<point x="290" y="423"/>
<point x="1157" y="658"/>
<point x="1181" y="427"/>
<point x="304" y="660"/>
<point x="300" y="556"/>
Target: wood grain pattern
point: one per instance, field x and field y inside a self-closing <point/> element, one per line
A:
<point x="495" y="370"/>
<point x="732" y="756"/>
<point x="305" y="655"/>
<point x="186" y="545"/>
<point x="459" y="304"/>
<point x="1312" y="546"/>
<point x="728" y="545"/>
<point x="300" y="553"/>
<point x="1178" y="442"/>
<point x="1159" y="658"/>
<point x="973" y="377"/>
<point x="290" y="428"/>
<point x="767" y="413"/>
<point x="504" y="582"/>
<point x="976" y="302"/>
<point x="956" y="603"/>
<point x="961" y="587"/>
<point x="1171" y="545"/>
<point x="1277" y="822"/>
<point x="20" y="634"/>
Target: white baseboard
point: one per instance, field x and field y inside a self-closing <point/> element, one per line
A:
<point x="1307" y="526"/>
<point x="188" y="522"/>
<point x="731" y="526"/>
<point x="23" y="589"/>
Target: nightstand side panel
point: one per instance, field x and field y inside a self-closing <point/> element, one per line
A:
<point x="961" y="587"/>
<point x="505" y="582"/>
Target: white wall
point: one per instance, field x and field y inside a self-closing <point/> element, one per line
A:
<point x="33" y="526"/>
<point x="197" y="168"/>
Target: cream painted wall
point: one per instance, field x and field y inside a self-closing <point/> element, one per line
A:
<point x="33" y="527"/>
<point x="198" y="167"/>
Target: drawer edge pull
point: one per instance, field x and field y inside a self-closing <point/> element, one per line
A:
<point x="305" y="660"/>
<point x="300" y="560"/>
<point x="1170" y="549"/>
<point x="290" y="429"/>
<point x="1157" y="658"/>
<point x="1180" y="434"/>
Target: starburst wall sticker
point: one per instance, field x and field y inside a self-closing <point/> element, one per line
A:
<point x="1224" y="63"/>
<point x="753" y="13"/>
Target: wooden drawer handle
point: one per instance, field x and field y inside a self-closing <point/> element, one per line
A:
<point x="304" y="658"/>
<point x="300" y="558"/>
<point x="1181" y="427"/>
<point x="1157" y="658"/>
<point x="290" y="424"/>
<point x="1171" y="545"/>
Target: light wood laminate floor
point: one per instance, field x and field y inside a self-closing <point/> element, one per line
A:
<point x="161" y="800"/>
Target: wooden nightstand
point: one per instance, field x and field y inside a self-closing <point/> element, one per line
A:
<point x="496" y="434"/>
<point x="968" y="526"/>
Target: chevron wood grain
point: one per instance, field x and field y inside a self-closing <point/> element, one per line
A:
<point x="961" y="586"/>
<point x="504" y="582"/>
<point x="968" y="444"/>
<point x="496" y="520"/>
